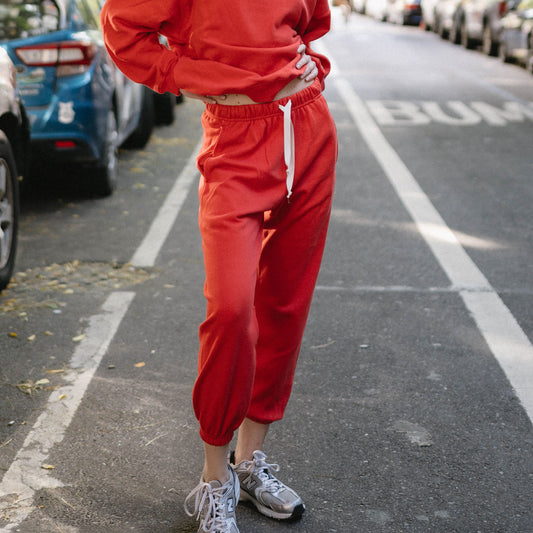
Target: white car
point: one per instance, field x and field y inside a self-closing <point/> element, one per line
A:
<point x="429" y="14"/>
<point x="377" y="9"/>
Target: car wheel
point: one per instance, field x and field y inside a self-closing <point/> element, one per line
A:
<point x="489" y="47"/>
<point x="164" y="105"/>
<point x="465" y="40"/>
<point x="142" y="133"/>
<point x="455" y="33"/>
<point x="530" y="54"/>
<point x="442" y="31"/>
<point x="502" y="52"/>
<point x="104" y="179"/>
<point x="9" y="211"/>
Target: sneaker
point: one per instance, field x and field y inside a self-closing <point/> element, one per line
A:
<point x="214" y="505"/>
<point x="260" y="487"/>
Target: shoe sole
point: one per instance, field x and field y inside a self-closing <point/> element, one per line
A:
<point x="296" y="514"/>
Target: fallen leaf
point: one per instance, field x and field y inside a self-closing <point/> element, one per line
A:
<point x="62" y="397"/>
<point x="13" y="334"/>
<point x="47" y="467"/>
<point x="27" y="386"/>
<point x="139" y="365"/>
<point x="79" y="337"/>
<point x="55" y="371"/>
<point x="31" y="338"/>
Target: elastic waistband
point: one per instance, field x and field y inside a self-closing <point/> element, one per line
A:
<point x="239" y="112"/>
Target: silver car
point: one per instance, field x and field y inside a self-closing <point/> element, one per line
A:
<point x="516" y="36"/>
<point x="14" y="143"/>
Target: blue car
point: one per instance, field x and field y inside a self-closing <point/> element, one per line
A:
<point x="80" y="107"/>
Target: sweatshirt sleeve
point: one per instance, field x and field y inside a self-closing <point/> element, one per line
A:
<point x="132" y="30"/>
<point x="318" y="26"/>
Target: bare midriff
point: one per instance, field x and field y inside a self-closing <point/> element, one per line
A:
<point x="294" y="86"/>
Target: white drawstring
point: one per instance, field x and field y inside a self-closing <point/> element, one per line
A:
<point x="288" y="145"/>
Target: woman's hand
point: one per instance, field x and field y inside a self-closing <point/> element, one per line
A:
<point x="311" y="70"/>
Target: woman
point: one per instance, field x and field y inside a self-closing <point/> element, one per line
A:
<point x="267" y="165"/>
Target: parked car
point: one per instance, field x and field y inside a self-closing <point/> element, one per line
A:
<point x="479" y="23"/>
<point x="405" y="12"/>
<point x="359" y="6"/>
<point x="81" y="107"/>
<point x="377" y="9"/>
<point x="14" y="145"/>
<point x="446" y="17"/>
<point x="429" y="19"/>
<point x="516" y="36"/>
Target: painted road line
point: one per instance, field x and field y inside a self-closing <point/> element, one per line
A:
<point x="146" y="254"/>
<point x="505" y="338"/>
<point x="26" y="474"/>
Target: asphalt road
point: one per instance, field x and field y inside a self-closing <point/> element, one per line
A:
<point x="413" y="399"/>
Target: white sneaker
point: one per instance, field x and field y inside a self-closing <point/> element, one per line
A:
<point x="269" y="495"/>
<point x="214" y="505"/>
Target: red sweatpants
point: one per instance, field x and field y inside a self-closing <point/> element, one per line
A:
<point x="262" y="254"/>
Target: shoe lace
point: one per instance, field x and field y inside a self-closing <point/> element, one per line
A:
<point x="260" y="468"/>
<point x="206" y="503"/>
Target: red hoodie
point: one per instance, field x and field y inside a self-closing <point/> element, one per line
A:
<point x="215" y="46"/>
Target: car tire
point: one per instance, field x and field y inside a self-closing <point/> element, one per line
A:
<point x="529" y="65"/>
<point x="105" y="173"/>
<point x="455" y="33"/>
<point x="503" y="54"/>
<point x="489" y="47"/>
<point x="442" y="32"/>
<point x="164" y="105"/>
<point x="466" y="41"/>
<point x="9" y="211"/>
<point x="142" y="133"/>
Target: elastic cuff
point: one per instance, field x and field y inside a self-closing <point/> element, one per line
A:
<point x="216" y="441"/>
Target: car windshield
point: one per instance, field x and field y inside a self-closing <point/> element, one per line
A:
<point x="20" y="19"/>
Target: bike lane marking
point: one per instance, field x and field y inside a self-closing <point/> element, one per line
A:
<point x="502" y="333"/>
<point x="28" y="472"/>
<point x="148" y="250"/>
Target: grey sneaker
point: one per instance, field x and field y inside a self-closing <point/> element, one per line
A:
<point x="214" y="505"/>
<point x="258" y="486"/>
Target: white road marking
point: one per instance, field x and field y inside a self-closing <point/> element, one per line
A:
<point x="26" y="475"/>
<point x="503" y="335"/>
<point x="451" y="113"/>
<point x="150" y="247"/>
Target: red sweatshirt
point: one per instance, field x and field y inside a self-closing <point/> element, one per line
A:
<point x="215" y="46"/>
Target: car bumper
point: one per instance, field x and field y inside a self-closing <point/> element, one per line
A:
<point x="68" y="129"/>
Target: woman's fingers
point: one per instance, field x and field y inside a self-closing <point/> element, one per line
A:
<point x="311" y="70"/>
